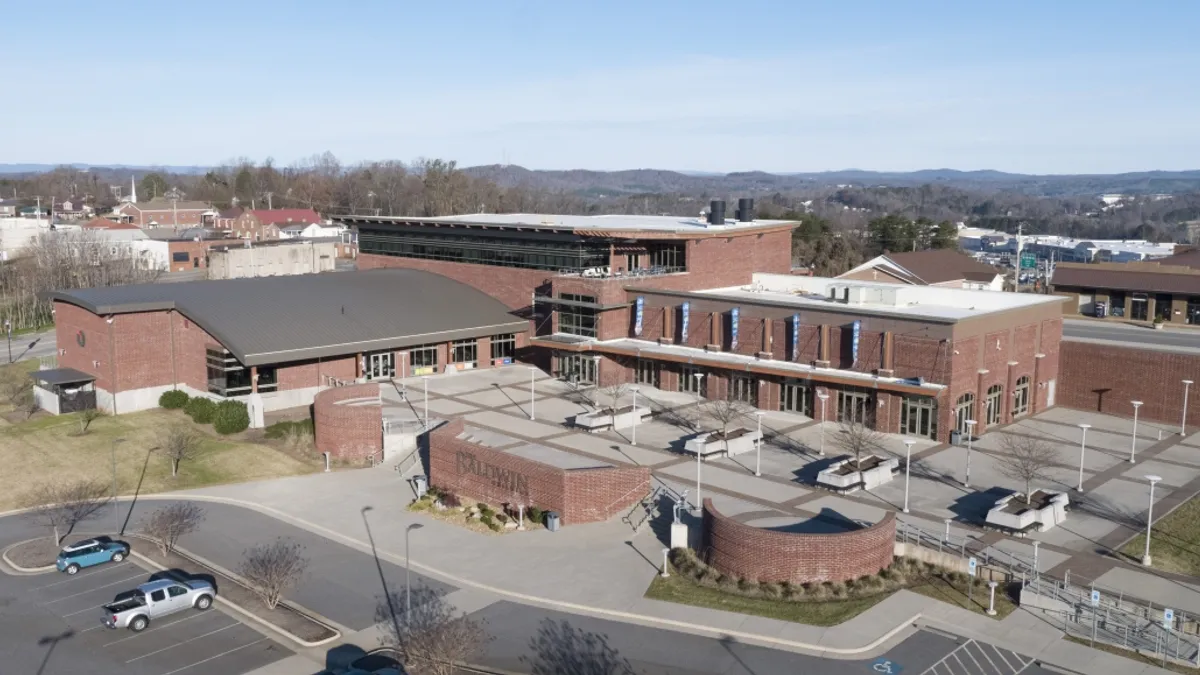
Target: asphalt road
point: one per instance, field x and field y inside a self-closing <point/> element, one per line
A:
<point x="559" y="642"/>
<point x="1134" y="335"/>
<point x="33" y="346"/>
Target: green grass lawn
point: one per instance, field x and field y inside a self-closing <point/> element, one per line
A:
<point x="49" y="448"/>
<point x="677" y="588"/>
<point x="956" y="594"/>
<point x="1132" y="655"/>
<point x="1175" y="542"/>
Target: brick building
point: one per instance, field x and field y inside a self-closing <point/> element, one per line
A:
<point x="162" y="212"/>
<point x="276" y="341"/>
<point x="1167" y="289"/>
<point x="935" y="267"/>
<point x="266" y="224"/>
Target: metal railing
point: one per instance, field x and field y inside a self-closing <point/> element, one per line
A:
<point x="607" y="272"/>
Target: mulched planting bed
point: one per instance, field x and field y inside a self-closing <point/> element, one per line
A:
<point x="35" y="553"/>
<point x="230" y="589"/>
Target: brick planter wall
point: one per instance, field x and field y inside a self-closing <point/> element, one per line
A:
<point x="348" y="431"/>
<point x="475" y="472"/>
<point x="749" y="552"/>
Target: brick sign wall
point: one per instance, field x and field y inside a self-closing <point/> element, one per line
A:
<point x="749" y="552"/>
<point x="1105" y="378"/>
<point x="348" y="431"/>
<point x="580" y="496"/>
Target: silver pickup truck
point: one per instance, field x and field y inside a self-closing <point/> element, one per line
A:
<point x="135" y="609"/>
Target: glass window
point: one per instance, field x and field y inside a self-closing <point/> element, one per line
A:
<point x="158" y="596"/>
<point x="577" y="368"/>
<point x="577" y="320"/>
<point x="1162" y="306"/>
<point x="668" y="257"/>
<point x="504" y="346"/>
<point x="424" y="356"/>
<point x="795" y="396"/>
<point x="228" y="377"/>
<point x="647" y="372"/>
<point x="502" y="249"/>
<point x="918" y="417"/>
<point x="693" y="381"/>
<point x="856" y="406"/>
<point x="745" y="389"/>
<point x="994" y="396"/>
<point x="176" y="591"/>
<point x="180" y="256"/>
<point x="463" y="351"/>
<point x="1021" y="396"/>
<point x="964" y="410"/>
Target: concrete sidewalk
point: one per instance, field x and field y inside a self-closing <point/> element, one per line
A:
<point x="603" y="570"/>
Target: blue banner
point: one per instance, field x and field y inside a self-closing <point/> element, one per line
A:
<point x="637" y="320"/>
<point x="733" y="328"/>
<point x="683" y="324"/>
<point x="854" y="342"/>
<point x="795" y="337"/>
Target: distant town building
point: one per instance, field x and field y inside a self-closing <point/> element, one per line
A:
<point x="272" y="258"/>
<point x="944" y="267"/>
<point x="1166" y="289"/>
<point x="265" y="224"/>
<point x="8" y="208"/>
<point x="162" y="212"/>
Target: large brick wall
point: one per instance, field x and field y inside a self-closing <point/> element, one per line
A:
<point x="348" y="431"/>
<point x="1105" y="378"/>
<point x="749" y="552"/>
<point x="578" y="495"/>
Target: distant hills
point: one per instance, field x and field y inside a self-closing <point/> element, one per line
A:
<point x="587" y="183"/>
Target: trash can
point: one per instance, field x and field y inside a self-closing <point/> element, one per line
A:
<point x="956" y="438"/>
<point x="420" y="484"/>
<point x="552" y="521"/>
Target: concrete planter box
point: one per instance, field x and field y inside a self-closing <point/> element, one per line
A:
<point x="845" y="476"/>
<point x="602" y="419"/>
<point x="1045" y="510"/>
<point x="712" y="443"/>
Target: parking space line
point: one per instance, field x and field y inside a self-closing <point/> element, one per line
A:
<point x="89" y="609"/>
<point x="1000" y="653"/>
<point x="160" y="627"/>
<point x="983" y="648"/>
<point x="978" y="664"/>
<point x="158" y="651"/>
<point x="178" y="670"/>
<point x="73" y="595"/>
<point x="82" y="575"/>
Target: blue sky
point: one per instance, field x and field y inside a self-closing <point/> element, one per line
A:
<point x="1062" y="86"/>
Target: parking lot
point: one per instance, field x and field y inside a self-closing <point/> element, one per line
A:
<point x="180" y="644"/>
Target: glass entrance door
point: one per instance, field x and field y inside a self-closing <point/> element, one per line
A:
<point x="856" y="407"/>
<point x="647" y="372"/>
<point x="795" y="397"/>
<point x="381" y="365"/>
<point x="918" y="417"/>
<point x="577" y="368"/>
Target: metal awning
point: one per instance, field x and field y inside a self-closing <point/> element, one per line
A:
<point x="61" y="376"/>
<point x="548" y="300"/>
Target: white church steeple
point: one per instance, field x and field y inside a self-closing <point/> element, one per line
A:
<point x="132" y="190"/>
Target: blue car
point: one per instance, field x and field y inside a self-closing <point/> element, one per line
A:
<point x="89" y="552"/>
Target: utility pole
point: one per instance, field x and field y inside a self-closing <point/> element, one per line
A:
<point x="1017" y="273"/>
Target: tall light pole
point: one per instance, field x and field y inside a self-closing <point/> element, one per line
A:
<point x="1036" y="570"/>
<point x="407" y="584"/>
<point x="116" y="513"/>
<point x="970" y="437"/>
<point x="699" y="502"/>
<point x="1183" y="422"/>
<point x="758" y="445"/>
<point x="633" y="430"/>
<point x="699" y="382"/>
<point x="1082" y="449"/>
<point x="425" y="384"/>
<point x="908" y="443"/>
<point x="532" y="378"/>
<point x="1149" y="518"/>
<point x="823" y="396"/>
<point x="1133" y="436"/>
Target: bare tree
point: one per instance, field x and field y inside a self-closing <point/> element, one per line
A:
<point x="433" y="639"/>
<point x="86" y="417"/>
<point x="271" y="569"/>
<point x="27" y="403"/>
<point x="61" y="506"/>
<point x="562" y="648"/>
<point x="615" y="392"/>
<point x="167" y="524"/>
<point x="858" y="439"/>
<point x="727" y="411"/>
<point x="179" y="443"/>
<point x="14" y="383"/>
<point x="1025" y="459"/>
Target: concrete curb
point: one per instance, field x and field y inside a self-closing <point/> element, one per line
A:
<point x="337" y="634"/>
<point x="24" y="571"/>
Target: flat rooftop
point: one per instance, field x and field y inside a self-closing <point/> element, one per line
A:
<point x="599" y="223"/>
<point x="899" y="300"/>
<point x="268" y="320"/>
<point x="559" y="459"/>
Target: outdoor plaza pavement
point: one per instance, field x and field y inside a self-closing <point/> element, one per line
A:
<point x="605" y="567"/>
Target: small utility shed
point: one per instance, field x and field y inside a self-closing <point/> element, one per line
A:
<point x="64" y="390"/>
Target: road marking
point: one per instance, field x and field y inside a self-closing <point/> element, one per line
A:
<point x="157" y="651"/>
<point x="74" y="595"/>
<point x="80" y="576"/>
<point x="177" y="670"/>
<point x="1000" y="653"/>
<point x="971" y="656"/>
<point x="160" y="627"/>
<point x="89" y="609"/>
<point x="983" y="650"/>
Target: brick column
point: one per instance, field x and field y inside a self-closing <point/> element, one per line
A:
<point x="823" y="346"/>
<point x="980" y="404"/>
<point x="358" y="365"/>
<point x="1010" y="386"/>
<point x="766" y="335"/>
<point x="253" y="379"/>
<point x="483" y="352"/>
<point x="1036" y="393"/>
<point x="714" y="329"/>
<point x="668" y="323"/>
<point x="443" y="356"/>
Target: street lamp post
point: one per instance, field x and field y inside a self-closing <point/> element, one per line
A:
<point x="532" y="376"/>
<point x="908" y="443"/>
<point x="1133" y="437"/>
<point x="948" y="521"/>
<point x="1036" y="571"/>
<point x="699" y="502"/>
<point x="970" y="437"/>
<point x="116" y="513"/>
<point x="1183" y="422"/>
<point x="699" y="380"/>
<point x="991" y="610"/>
<point x="1149" y="519"/>
<point x="407" y="584"/>
<point x="1082" y="449"/>
<point x="666" y="562"/>
<point x="633" y="430"/>
<point x="758" y="445"/>
<point x="823" y="396"/>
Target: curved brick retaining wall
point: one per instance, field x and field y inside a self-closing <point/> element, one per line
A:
<point x="348" y="431"/>
<point x="748" y="552"/>
<point x="579" y="495"/>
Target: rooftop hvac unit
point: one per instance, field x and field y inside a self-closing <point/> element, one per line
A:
<point x="716" y="212"/>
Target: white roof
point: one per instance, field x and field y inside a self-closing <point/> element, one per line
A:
<point x="915" y="302"/>
<point x="80" y="545"/>
<point x="1125" y="245"/>
<point x="600" y="222"/>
